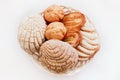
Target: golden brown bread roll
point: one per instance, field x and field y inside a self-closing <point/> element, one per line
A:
<point x="53" y="13"/>
<point x="74" y="21"/>
<point x="55" y="30"/>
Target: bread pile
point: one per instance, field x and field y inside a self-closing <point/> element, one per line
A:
<point x="60" y="38"/>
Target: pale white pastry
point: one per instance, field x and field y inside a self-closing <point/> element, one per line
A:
<point x="90" y="42"/>
<point x="31" y="33"/>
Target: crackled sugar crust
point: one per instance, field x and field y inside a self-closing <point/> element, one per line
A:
<point x="57" y="56"/>
<point x="31" y="33"/>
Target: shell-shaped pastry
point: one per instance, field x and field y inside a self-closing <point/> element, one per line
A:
<point x="90" y="41"/>
<point x="58" y="56"/>
<point x="31" y="33"/>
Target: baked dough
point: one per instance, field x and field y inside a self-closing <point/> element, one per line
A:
<point x="57" y="56"/>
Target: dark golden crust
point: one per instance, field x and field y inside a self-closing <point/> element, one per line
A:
<point x="74" y="21"/>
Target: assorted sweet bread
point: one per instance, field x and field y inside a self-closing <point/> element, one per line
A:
<point x="62" y="39"/>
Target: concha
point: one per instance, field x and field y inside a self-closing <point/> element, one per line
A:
<point x="31" y="33"/>
<point x="58" y="56"/>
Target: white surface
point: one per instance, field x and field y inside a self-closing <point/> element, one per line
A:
<point x="16" y="65"/>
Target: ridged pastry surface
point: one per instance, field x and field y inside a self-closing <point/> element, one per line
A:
<point x="58" y="56"/>
<point x="90" y="42"/>
<point x="31" y="33"/>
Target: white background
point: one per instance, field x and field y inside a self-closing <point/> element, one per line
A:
<point x="15" y="64"/>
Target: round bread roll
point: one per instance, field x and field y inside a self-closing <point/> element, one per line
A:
<point x="53" y="13"/>
<point x="55" y="30"/>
